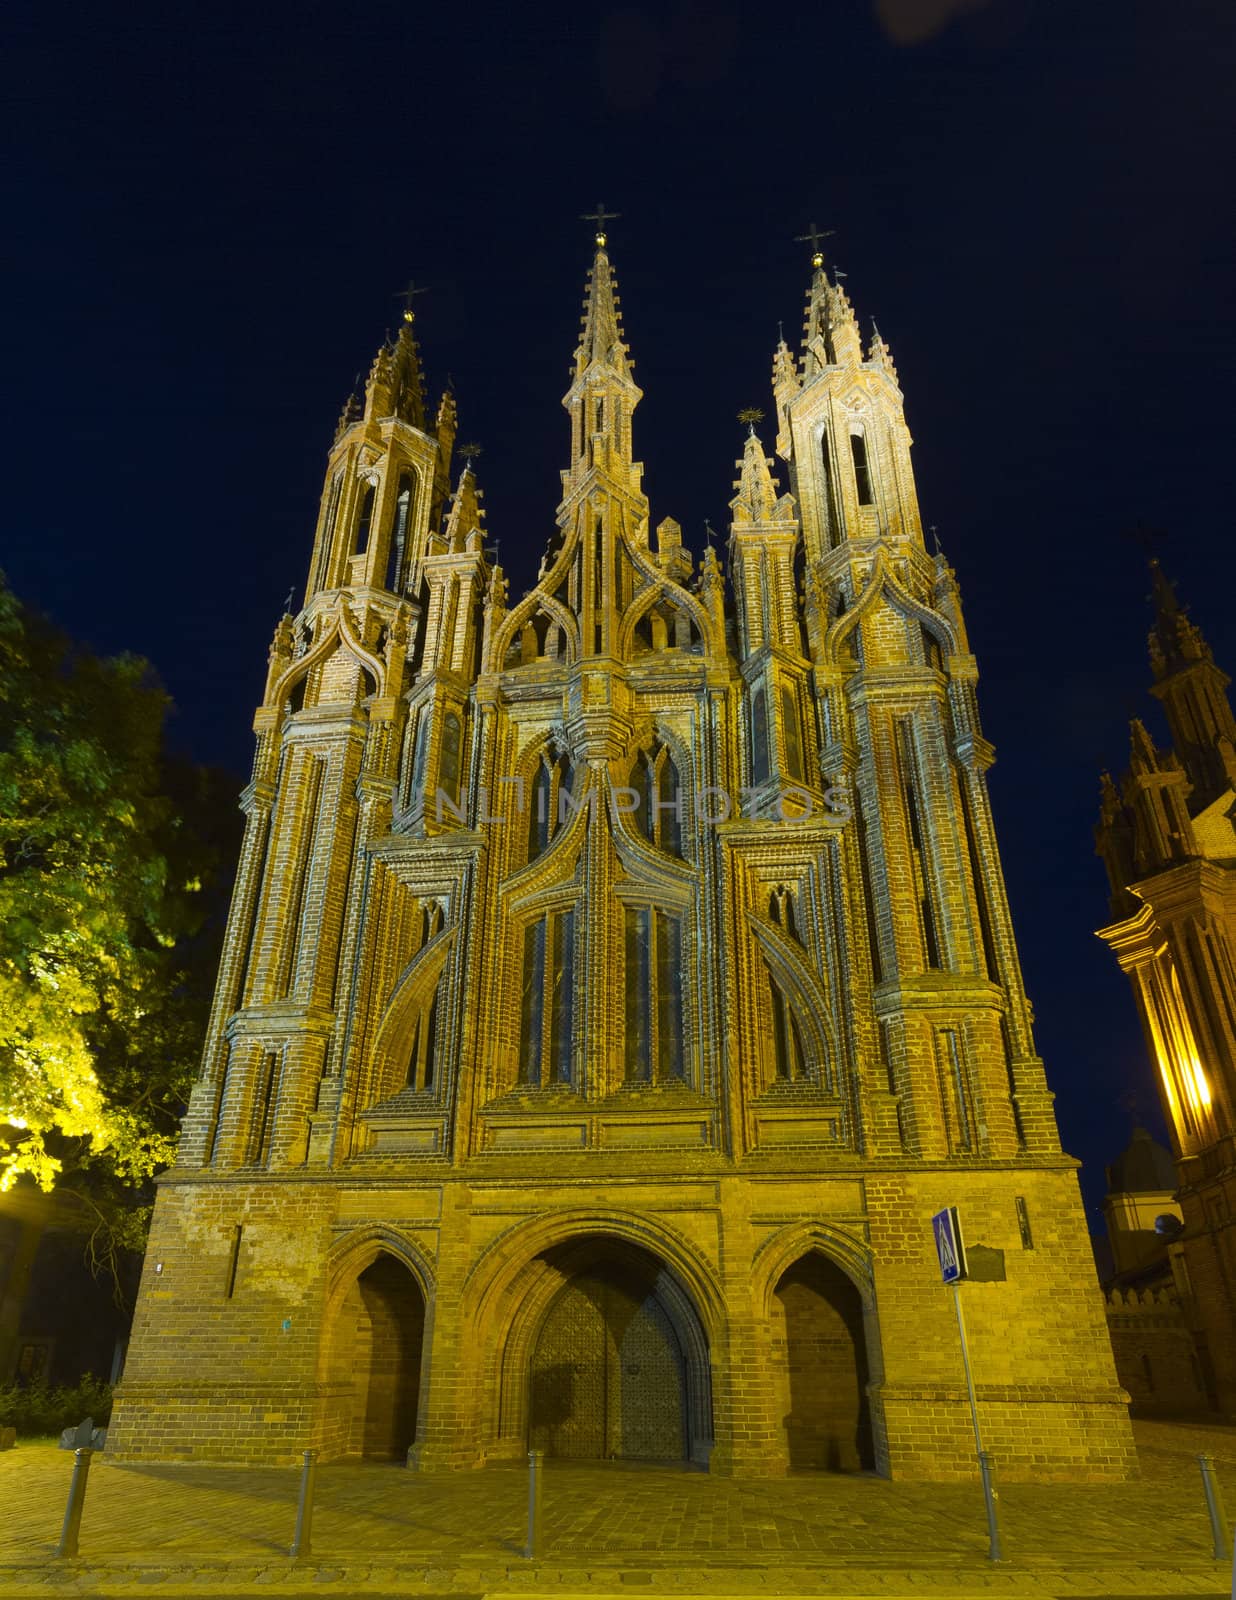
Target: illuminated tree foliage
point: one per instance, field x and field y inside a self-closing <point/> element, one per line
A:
<point x="109" y="871"/>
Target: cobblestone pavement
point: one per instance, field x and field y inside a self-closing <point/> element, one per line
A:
<point x="628" y="1529"/>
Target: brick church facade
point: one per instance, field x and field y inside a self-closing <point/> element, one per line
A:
<point x="617" y="980"/>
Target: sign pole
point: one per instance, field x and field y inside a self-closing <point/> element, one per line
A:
<point x="965" y="1361"/>
<point x="951" y="1250"/>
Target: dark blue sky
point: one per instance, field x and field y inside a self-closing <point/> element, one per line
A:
<point x="210" y="208"/>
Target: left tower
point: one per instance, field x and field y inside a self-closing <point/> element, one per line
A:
<point x="328" y="737"/>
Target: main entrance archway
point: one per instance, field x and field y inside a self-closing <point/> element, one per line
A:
<point x="820" y="1364"/>
<point x="375" y="1362"/>
<point x="613" y="1357"/>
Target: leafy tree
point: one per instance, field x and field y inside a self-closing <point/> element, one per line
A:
<point x="112" y="879"/>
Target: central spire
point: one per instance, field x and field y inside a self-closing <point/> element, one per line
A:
<point x="602" y="339"/>
<point x="603" y="394"/>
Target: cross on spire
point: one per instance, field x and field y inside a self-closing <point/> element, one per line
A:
<point x="600" y="216"/>
<point x="407" y="295"/>
<point x="815" y="238"/>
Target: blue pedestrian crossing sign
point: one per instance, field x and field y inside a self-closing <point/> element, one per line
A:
<point x="946" y="1226"/>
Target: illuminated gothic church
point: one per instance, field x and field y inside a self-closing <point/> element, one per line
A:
<point x="618" y="978"/>
<point x="1167" y="835"/>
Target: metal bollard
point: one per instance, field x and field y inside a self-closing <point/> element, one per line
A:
<point x="1214" y="1505"/>
<point x="536" y="1460"/>
<point x="991" y="1495"/>
<point x="77" y="1499"/>
<point x="302" y="1540"/>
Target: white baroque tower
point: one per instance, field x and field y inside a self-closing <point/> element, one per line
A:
<point x="617" y="981"/>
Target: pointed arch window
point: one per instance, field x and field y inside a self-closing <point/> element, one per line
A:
<point x="791" y="1063"/>
<point x="791" y="734"/>
<point x="451" y="760"/>
<point x="659" y="805"/>
<point x="423" y="1052"/>
<point x="826" y="486"/>
<point x="655" y="1046"/>
<point x="321" y="573"/>
<point x="862" y="470"/>
<point x="549" y="800"/>
<point x="420" y="752"/>
<point x="759" y="736"/>
<point x="781" y="911"/>
<point x="547" y="1009"/>
<point x="364" y="520"/>
<point x="397" y="556"/>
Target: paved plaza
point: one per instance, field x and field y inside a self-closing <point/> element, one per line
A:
<point x="612" y="1529"/>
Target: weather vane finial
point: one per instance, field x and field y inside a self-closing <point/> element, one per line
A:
<point x="407" y="295"/>
<point x="814" y="237"/>
<point x="600" y="216"/>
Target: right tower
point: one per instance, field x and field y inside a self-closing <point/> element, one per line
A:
<point x="1167" y="836"/>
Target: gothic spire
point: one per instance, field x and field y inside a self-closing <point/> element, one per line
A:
<point x="756" y="500"/>
<point x="463" y="521"/>
<point x="396" y="387"/>
<point x="830" y="331"/>
<point x="1174" y="641"/>
<point x="601" y="340"/>
<point x="1193" y="692"/>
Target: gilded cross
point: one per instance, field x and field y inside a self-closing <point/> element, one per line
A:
<point x="407" y="295"/>
<point x="600" y="216"/>
<point x="815" y="238"/>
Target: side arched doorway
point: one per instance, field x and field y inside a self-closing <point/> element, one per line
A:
<point x="617" y="1361"/>
<point x="374" y="1372"/>
<point x="820" y="1367"/>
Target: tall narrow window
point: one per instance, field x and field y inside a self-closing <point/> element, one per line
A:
<point x="424" y="1049"/>
<point x="598" y="581"/>
<point x="265" y="1102"/>
<point x="787" y="1044"/>
<point x="300" y="918"/>
<point x="549" y="801"/>
<point x="532" y="1025"/>
<point x="322" y="572"/>
<point x="862" y="472"/>
<point x="364" y="520"/>
<point x="540" y="810"/>
<point x="918" y="855"/>
<point x="759" y="736"/>
<point x="864" y="868"/>
<point x="669" y="996"/>
<point x="419" y="752"/>
<point x="562" y="1015"/>
<point x="980" y="886"/>
<point x="396" y="560"/>
<point x="826" y="485"/>
<point x="790" y="734"/>
<point x="654" y="1019"/>
<point x="659" y="805"/>
<point x="452" y="752"/>
<point x="956" y="1087"/>
<point x="547" y="1024"/>
<point x="233" y="1262"/>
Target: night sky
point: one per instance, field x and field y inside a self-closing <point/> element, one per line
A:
<point x="210" y="209"/>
